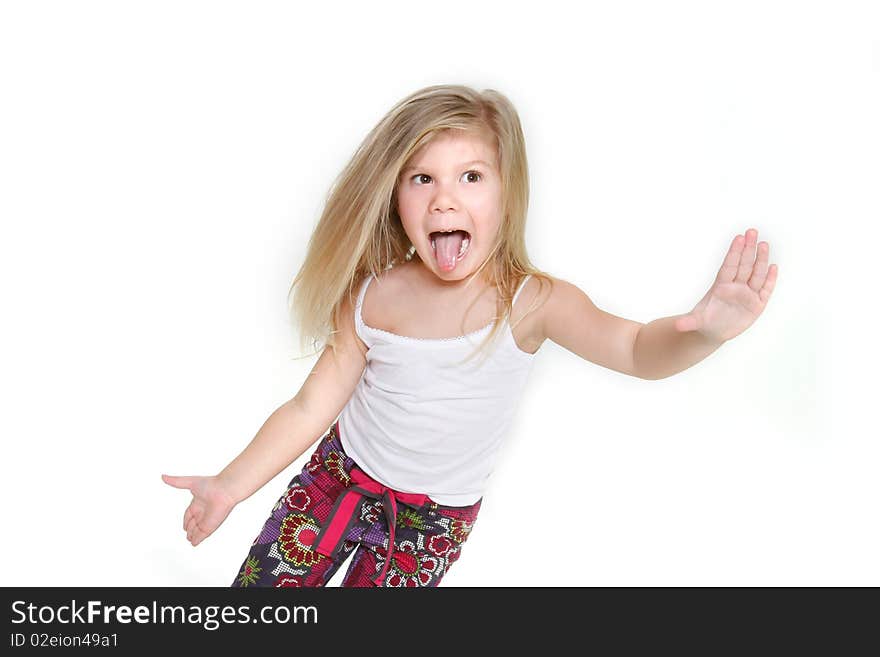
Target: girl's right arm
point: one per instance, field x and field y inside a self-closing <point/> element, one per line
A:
<point x="284" y="436"/>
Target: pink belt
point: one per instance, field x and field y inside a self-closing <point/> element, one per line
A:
<point x="344" y="514"/>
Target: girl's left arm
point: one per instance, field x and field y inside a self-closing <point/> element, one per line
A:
<point x="668" y="345"/>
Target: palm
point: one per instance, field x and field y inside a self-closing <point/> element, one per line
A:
<point x="739" y="294"/>
<point x="209" y="507"/>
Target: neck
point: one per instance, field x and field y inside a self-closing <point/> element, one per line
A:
<point x="431" y="281"/>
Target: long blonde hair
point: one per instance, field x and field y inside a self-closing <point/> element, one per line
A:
<point x="360" y="232"/>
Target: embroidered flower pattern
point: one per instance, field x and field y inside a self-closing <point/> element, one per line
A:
<point x="409" y="568"/>
<point x="372" y="512"/>
<point x="298" y="499"/>
<point x="439" y="545"/>
<point x="250" y="573"/>
<point x="315" y="463"/>
<point x="409" y="517"/>
<point x="459" y="530"/>
<point x="334" y="463"/>
<point x="288" y="581"/>
<point x="297" y="535"/>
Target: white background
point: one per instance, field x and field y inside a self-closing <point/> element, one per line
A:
<point x="162" y="166"/>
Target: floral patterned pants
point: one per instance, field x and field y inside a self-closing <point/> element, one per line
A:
<point x="332" y="508"/>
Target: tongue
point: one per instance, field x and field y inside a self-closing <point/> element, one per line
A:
<point x="446" y="248"/>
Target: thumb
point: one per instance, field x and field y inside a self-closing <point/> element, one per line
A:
<point x="687" y="322"/>
<point x="178" y="482"/>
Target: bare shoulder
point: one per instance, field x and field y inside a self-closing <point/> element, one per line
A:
<point x="569" y="318"/>
<point x="557" y="300"/>
<point x="527" y="315"/>
<point x="544" y="303"/>
<point x="352" y="348"/>
<point x="386" y="292"/>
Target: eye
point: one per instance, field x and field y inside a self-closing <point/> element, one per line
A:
<point x="418" y="177"/>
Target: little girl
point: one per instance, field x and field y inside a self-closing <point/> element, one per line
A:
<point x="417" y="266"/>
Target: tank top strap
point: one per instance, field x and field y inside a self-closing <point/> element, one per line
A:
<point x="521" y="286"/>
<point x="360" y="300"/>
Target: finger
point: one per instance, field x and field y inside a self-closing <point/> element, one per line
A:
<point x="760" y="272"/>
<point x="747" y="257"/>
<point x="195" y="535"/>
<point x="769" y="284"/>
<point x="187" y="516"/>
<point x="177" y="482"/>
<point x="189" y="526"/>
<point x="731" y="261"/>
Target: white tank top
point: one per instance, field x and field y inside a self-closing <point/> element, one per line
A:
<point x="420" y="422"/>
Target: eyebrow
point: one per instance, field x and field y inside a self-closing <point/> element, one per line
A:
<point x="414" y="167"/>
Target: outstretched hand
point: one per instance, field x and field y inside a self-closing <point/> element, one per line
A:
<point x="739" y="294"/>
<point x="210" y="505"/>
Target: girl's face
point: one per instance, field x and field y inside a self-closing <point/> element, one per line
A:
<point x="449" y="201"/>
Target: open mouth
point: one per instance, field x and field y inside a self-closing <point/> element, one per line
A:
<point x="449" y="247"/>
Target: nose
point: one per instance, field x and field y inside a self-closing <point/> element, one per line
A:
<point x="444" y="200"/>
